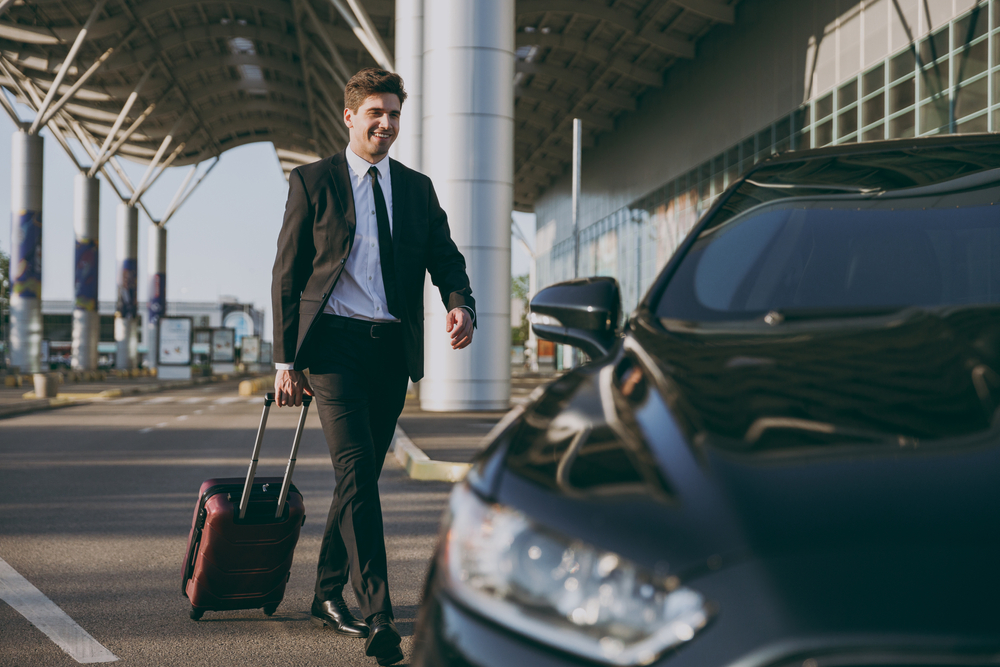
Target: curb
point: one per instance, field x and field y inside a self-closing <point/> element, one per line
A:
<point x="67" y="400"/>
<point x="256" y="385"/>
<point x="420" y="466"/>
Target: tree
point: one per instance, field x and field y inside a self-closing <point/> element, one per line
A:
<point x="519" y="291"/>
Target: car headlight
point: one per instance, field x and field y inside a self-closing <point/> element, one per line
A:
<point x="560" y="591"/>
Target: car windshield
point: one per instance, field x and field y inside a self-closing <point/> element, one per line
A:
<point x="863" y="251"/>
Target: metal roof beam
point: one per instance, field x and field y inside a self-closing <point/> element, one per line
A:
<point x="202" y="33"/>
<point x="237" y="60"/>
<point x="70" y="57"/>
<point x="323" y="30"/>
<point x="362" y="35"/>
<point x="560" y="103"/>
<point x="105" y="155"/>
<point x="578" y="79"/>
<point x="164" y="145"/>
<point x="304" y="70"/>
<point x="109" y="26"/>
<point x="623" y="19"/>
<point x="74" y="88"/>
<point x="713" y="10"/>
<point x="337" y="79"/>
<point x="9" y="108"/>
<point x="175" y="206"/>
<point x="647" y="77"/>
<point x="166" y="164"/>
<point x="383" y="57"/>
<point x="133" y="96"/>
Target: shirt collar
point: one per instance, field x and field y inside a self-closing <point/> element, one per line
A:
<point x="360" y="166"/>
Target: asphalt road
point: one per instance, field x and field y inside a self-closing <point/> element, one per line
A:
<point x="95" y="508"/>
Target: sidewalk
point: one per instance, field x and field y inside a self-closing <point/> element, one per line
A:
<point x="440" y="445"/>
<point x="429" y="445"/>
<point x="13" y="402"/>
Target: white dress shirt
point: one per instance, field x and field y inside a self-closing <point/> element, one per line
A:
<point x="360" y="292"/>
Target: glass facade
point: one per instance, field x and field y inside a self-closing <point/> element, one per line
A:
<point x="947" y="82"/>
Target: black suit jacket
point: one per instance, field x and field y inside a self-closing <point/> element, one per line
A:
<point x="317" y="235"/>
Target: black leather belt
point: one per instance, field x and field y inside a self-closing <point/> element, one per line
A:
<point x="372" y="329"/>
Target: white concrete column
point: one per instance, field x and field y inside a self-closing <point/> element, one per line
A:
<point x="26" y="251"/>
<point x="469" y="73"/>
<point x="156" y="299"/>
<point x="409" y="59"/>
<point x="87" y="228"/>
<point x="126" y="308"/>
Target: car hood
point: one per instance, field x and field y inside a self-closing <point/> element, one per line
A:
<point x="666" y="474"/>
<point x="918" y="374"/>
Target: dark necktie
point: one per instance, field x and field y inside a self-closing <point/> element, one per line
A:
<point x="385" y="246"/>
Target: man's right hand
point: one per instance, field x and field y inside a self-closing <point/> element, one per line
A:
<point x="289" y="387"/>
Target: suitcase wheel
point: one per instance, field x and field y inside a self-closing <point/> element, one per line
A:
<point x="270" y="609"/>
<point x="196" y="613"/>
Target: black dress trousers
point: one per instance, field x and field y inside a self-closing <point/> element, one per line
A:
<point x="360" y="386"/>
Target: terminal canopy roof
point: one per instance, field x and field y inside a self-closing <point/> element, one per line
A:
<point x="197" y="77"/>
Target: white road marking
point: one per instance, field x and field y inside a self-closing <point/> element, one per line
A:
<point x="146" y="430"/>
<point x="228" y="399"/>
<point x="181" y="417"/>
<point x="127" y="399"/>
<point x="161" y="424"/>
<point x="193" y="399"/>
<point x="198" y="412"/>
<point x="161" y="399"/>
<point x="45" y="615"/>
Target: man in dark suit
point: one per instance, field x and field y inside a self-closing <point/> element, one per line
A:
<point x="360" y="231"/>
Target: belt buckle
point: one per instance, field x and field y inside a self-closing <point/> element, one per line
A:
<point x="372" y="332"/>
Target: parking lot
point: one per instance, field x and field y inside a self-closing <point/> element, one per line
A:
<point x="95" y="508"/>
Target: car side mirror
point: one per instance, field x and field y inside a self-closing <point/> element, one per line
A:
<point x="584" y="313"/>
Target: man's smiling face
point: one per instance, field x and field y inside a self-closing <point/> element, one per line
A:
<point x="374" y="125"/>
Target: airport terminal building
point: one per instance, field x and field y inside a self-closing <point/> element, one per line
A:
<point x="676" y="99"/>
<point x="785" y="75"/>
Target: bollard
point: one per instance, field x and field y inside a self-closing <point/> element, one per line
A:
<point x="46" y="385"/>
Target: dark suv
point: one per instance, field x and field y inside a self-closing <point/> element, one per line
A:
<point x="790" y="455"/>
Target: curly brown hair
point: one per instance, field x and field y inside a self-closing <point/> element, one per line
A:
<point x="371" y="81"/>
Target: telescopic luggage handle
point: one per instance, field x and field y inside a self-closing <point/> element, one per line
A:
<point x="287" y="481"/>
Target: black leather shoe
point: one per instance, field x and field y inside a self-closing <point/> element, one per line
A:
<point x="383" y="640"/>
<point x="335" y="615"/>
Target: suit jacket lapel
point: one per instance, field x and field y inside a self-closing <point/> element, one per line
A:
<point x="398" y="206"/>
<point x="340" y="173"/>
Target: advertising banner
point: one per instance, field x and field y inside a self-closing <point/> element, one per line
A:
<point x="202" y="342"/>
<point x="157" y="297"/>
<point x="127" y="305"/>
<point x="26" y="254"/>
<point x="266" y="353"/>
<point x="175" y="341"/>
<point x="250" y="350"/>
<point x="85" y="283"/>
<point x="223" y="345"/>
<point x="240" y="322"/>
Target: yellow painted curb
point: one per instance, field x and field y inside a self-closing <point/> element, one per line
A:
<point x="420" y="466"/>
<point x="30" y="395"/>
<point x="256" y="385"/>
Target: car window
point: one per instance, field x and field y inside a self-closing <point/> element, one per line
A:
<point x="842" y="253"/>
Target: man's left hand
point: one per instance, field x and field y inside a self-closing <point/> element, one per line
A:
<point x="459" y="325"/>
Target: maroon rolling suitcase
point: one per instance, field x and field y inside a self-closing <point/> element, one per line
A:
<point x="243" y="535"/>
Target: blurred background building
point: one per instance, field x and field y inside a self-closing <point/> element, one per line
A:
<point x="783" y="75"/>
<point x="674" y="99"/>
